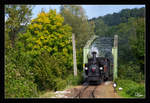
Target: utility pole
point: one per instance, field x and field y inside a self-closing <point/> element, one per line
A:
<point x="115" y="57"/>
<point x="116" y="41"/>
<point x="74" y="55"/>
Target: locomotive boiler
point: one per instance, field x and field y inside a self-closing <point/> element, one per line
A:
<point x="97" y="69"/>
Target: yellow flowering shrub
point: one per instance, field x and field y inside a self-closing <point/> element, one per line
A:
<point x="47" y="33"/>
<point x="49" y="43"/>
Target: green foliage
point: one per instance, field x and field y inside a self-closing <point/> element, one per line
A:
<point x="46" y="33"/>
<point x="137" y="41"/>
<point x="18" y="76"/>
<point x="51" y="72"/>
<point x="122" y="16"/>
<point x="131" y="46"/>
<point x="45" y="36"/>
<point x="17" y="17"/>
<point x="130" y="71"/>
<point x="130" y="88"/>
<point x="100" y="28"/>
<point x="136" y="91"/>
<point x="60" y="84"/>
<point x="19" y="87"/>
<point x="76" y="18"/>
<point x="42" y="57"/>
<point x="19" y="80"/>
<point x="48" y="70"/>
<point x="72" y="80"/>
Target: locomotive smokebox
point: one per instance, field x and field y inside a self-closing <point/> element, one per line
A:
<point x="94" y="57"/>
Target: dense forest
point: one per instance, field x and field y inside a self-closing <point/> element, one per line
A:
<point x="38" y="52"/>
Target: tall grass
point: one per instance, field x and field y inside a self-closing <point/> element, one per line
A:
<point x="130" y="88"/>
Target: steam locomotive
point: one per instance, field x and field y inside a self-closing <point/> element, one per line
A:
<point x="97" y="69"/>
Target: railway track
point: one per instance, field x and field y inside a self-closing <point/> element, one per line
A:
<point x="87" y="92"/>
<point x="94" y="91"/>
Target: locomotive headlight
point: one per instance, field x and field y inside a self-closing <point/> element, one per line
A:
<point x="101" y="68"/>
<point x="86" y="68"/>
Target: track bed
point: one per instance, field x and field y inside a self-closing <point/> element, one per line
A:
<point x="104" y="90"/>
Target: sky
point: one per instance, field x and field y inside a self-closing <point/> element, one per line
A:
<point x="92" y="11"/>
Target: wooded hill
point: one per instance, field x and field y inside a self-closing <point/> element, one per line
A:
<point x="121" y="17"/>
<point x="129" y="25"/>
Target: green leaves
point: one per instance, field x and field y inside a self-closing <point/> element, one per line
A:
<point x="49" y="43"/>
<point x="18" y="76"/>
<point x="137" y="40"/>
<point x="17" y="17"/>
<point x="100" y="28"/>
<point x="50" y="72"/>
<point x="122" y="17"/>
<point x="46" y="33"/>
<point x="75" y="17"/>
<point x="130" y="88"/>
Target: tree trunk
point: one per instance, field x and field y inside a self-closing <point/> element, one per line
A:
<point x="13" y="37"/>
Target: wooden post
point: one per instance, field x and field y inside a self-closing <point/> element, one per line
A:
<point x="115" y="56"/>
<point x="74" y="55"/>
<point x="116" y="41"/>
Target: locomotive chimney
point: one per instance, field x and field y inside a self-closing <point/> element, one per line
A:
<point x="94" y="57"/>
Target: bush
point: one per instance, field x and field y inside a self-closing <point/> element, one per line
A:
<point x="60" y="84"/>
<point x="136" y="91"/>
<point x="130" y="71"/>
<point x="72" y="80"/>
<point x="49" y="43"/>
<point x="131" y="88"/>
<point x="50" y="72"/>
<point x="18" y="78"/>
<point x="20" y="87"/>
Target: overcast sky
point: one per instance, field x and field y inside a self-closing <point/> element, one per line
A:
<point x="91" y="10"/>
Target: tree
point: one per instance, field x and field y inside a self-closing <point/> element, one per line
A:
<point x="17" y="17"/>
<point x="137" y="40"/>
<point x="46" y="33"/>
<point x="42" y="56"/>
<point x="100" y="27"/>
<point x="48" y="41"/>
<point x="76" y="18"/>
<point x="122" y="16"/>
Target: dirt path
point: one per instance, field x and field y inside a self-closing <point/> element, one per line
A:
<point x="105" y="90"/>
